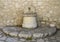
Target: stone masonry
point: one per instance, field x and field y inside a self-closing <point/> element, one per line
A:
<point x="11" y="11"/>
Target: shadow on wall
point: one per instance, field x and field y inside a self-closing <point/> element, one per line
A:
<point x="18" y="19"/>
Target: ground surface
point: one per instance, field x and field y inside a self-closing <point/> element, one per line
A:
<point x="13" y="38"/>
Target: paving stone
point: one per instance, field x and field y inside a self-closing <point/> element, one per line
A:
<point x="58" y="38"/>
<point x="57" y="33"/>
<point x="40" y="40"/>
<point x="24" y="34"/>
<point x="22" y="39"/>
<point x="2" y="41"/>
<point x="46" y="39"/>
<point x="10" y="39"/>
<point x="30" y="41"/>
<point x="50" y="40"/>
<point x="13" y="31"/>
<point x="3" y="38"/>
<point x="33" y="40"/>
<point x="50" y="31"/>
<point x="1" y="34"/>
<point x="1" y="27"/>
<point x="53" y="38"/>
<point x="37" y="35"/>
<point x="43" y="32"/>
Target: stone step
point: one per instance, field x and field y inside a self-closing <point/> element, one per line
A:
<point x="28" y="33"/>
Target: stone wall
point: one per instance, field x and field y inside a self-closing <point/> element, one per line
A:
<point x="11" y="11"/>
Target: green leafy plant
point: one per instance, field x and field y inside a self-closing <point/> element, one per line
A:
<point x="29" y="38"/>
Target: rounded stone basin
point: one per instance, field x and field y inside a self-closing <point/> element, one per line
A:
<point x="27" y="33"/>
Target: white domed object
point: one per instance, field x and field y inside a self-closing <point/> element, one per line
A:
<point x="29" y="22"/>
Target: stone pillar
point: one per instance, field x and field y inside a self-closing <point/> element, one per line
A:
<point x="29" y="19"/>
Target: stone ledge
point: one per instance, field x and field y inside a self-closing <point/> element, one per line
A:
<point x="53" y="38"/>
<point x="26" y="33"/>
